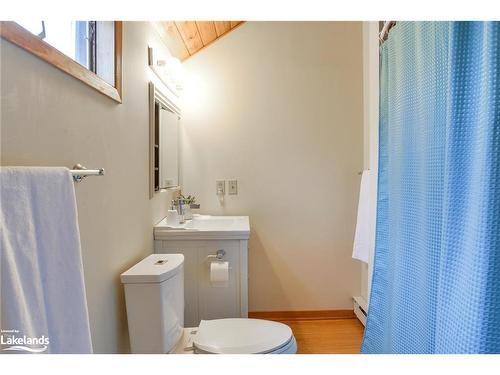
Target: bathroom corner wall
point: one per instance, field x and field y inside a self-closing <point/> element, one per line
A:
<point x="49" y="118"/>
<point x="279" y="106"/>
<point x="371" y="124"/>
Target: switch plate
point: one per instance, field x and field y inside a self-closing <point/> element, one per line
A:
<point x="232" y="187"/>
<point x="220" y="187"/>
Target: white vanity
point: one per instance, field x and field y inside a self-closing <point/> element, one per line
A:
<point x="200" y="240"/>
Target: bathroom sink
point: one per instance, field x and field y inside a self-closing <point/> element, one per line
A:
<point x="212" y="223"/>
<point x="205" y="227"/>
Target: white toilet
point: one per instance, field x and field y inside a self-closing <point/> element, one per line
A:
<point x="154" y="294"/>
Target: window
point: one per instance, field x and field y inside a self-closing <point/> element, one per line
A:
<point x="88" y="50"/>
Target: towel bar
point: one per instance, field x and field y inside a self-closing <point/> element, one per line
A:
<point x="79" y="172"/>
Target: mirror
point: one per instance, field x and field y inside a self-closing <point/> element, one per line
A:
<point x="164" y="138"/>
<point x="168" y="158"/>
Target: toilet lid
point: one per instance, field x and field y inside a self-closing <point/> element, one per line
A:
<point x="241" y="336"/>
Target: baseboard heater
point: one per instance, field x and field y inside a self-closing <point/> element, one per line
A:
<point x="360" y="308"/>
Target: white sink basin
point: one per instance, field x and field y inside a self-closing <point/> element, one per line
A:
<point x="204" y="227"/>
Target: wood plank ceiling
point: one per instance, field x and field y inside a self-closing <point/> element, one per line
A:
<point x="185" y="38"/>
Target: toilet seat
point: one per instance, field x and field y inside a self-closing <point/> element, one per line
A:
<point x="243" y="336"/>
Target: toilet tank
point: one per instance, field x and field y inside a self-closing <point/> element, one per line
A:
<point x="154" y="295"/>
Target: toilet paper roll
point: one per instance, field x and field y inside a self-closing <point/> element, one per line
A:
<point x="219" y="273"/>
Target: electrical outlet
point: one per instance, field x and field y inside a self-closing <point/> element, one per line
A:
<point x="232" y="187"/>
<point x="220" y="187"/>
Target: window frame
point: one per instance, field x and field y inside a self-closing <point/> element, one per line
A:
<point x="16" y="34"/>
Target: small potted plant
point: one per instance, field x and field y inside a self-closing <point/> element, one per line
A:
<point x="189" y="203"/>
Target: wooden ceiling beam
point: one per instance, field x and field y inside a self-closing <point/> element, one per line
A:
<point x="172" y="38"/>
<point x="222" y="27"/>
<point x="185" y="38"/>
<point x="190" y="35"/>
<point x="207" y="31"/>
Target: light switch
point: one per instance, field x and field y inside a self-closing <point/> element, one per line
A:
<point x="220" y="187"/>
<point x="232" y="187"/>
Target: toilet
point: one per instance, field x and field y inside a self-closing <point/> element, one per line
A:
<point x="154" y="295"/>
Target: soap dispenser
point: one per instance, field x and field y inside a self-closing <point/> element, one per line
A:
<point x="173" y="216"/>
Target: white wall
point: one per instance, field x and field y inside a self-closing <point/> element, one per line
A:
<point x="279" y="106"/>
<point x="370" y="121"/>
<point x="51" y="119"/>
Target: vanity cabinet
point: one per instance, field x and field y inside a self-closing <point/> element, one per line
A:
<point x="203" y="300"/>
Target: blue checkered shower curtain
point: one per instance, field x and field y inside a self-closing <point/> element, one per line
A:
<point x="436" y="280"/>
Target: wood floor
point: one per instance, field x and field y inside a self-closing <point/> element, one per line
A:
<point x="334" y="336"/>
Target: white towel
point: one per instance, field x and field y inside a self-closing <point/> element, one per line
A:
<point x="42" y="286"/>
<point x="363" y="238"/>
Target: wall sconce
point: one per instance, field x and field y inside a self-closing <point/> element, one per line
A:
<point x="169" y="71"/>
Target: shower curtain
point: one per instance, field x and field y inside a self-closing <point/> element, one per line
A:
<point x="436" y="281"/>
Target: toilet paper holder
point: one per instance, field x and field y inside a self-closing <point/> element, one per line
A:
<point x="219" y="255"/>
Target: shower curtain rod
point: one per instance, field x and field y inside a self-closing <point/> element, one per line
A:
<point x="385" y="30"/>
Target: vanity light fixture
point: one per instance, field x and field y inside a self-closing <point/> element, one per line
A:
<point x="168" y="70"/>
<point x="173" y="69"/>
